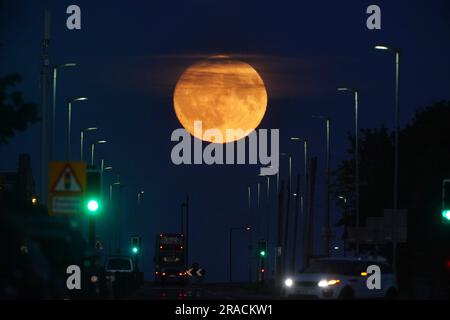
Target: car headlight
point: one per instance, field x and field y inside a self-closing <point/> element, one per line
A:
<point x="288" y="282"/>
<point x="326" y="283"/>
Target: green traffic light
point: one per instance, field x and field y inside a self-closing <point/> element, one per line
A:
<point x="135" y="250"/>
<point x="93" y="205"/>
<point x="262" y="253"/>
<point x="446" y="214"/>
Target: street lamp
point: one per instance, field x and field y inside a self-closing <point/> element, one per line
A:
<point x="294" y="245"/>
<point x="267" y="203"/>
<point x="327" y="229"/>
<point x="396" y="139"/>
<point x="356" y="97"/>
<point x="231" y="248"/>
<point x="139" y="197"/>
<point x="82" y="139"/>
<point x="305" y="151"/>
<point x="344" y="199"/>
<point x="103" y="168"/>
<point x="288" y="209"/>
<point x="111" y="185"/>
<point x="304" y="196"/>
<point x="290" y="167"/>
<point x="69" y="121"/>
<point x="93" y="148"/>
<point x="55" y="73"/>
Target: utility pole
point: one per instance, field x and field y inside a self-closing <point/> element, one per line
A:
<point x="326" y="230"/>
<point x="298" y="198"/>
<point x="327" y="216"/>
<point x="286" y="227"/>
<point x="44" y="79"/>
<point x="187" y="229"/>
<point x="280" y="236"/>
<point x="310" y="213"/>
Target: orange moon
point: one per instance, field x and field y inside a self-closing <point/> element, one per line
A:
<point x="222" y="93"/>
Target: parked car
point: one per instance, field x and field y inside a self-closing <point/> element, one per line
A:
<point x="122" y="276"/>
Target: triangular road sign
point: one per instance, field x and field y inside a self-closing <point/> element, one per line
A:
<point x="67" y="181"/>
<point x="98" y="245"/>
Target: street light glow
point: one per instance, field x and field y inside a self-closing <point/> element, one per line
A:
<point x="299" y="139"/>
<point x="79" y="99"/>
<point x="382" y="48"/>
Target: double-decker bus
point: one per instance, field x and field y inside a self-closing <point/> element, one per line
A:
<point x="170" y="258"/>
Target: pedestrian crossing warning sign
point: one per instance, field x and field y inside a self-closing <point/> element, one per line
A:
<point x="67" y="183"/>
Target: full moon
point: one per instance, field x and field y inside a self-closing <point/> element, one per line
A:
<point x="224" y="94"/>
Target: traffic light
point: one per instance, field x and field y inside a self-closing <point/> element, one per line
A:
<point x="93" y="192"/>
<point x="262" y="248"/>
<point x="135" y="245"/>
<point x="445" y="214"/>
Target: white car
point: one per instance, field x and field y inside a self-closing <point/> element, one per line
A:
<point x="119" y="264"/>
<point x="341" y="278"/>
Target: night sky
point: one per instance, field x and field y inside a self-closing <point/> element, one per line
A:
<point x="131" y="53"/>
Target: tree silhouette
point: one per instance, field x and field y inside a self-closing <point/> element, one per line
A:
<point x="15" y="114"/>
<point x="424" y="160"/>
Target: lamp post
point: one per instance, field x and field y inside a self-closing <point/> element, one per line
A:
<point x="396" y="142"/>
<point x="103" y="168"/>
<point x="118" y="184"/>
<point x="304" y="197"/>
<point x="288" y="209"/>
<point x="268" y="225"/>
<point x="267" y="204"/>
<point x="231" y="249"/>
<point x="185" y="228"/>
<point x="69" y="121"/>
<point x="93" y="149"/>
<point x="298" y="197"/>
<point x="138" y="212"/>
<point x="55" y="73"/>
<point x="356" y="97"/>
<point x="345" y="223"/>
<point x="305" y="153"/>
<point x="82" y="139"/>
<point x="327" y="228"/>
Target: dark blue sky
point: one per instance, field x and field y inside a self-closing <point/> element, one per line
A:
<point x="130" y="54"/>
